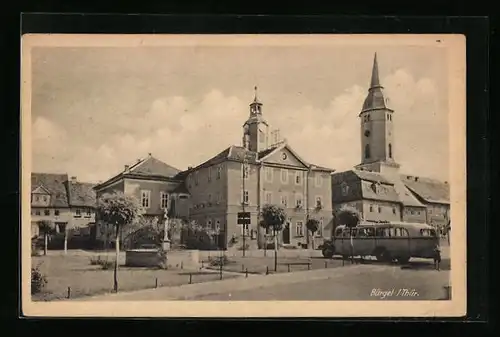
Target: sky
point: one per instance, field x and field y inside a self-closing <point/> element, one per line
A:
<point x="95" y="109"/>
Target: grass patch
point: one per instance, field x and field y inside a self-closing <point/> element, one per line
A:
<point x="87" y="279"/>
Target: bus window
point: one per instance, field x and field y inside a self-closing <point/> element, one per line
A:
<point x="338" y="232"/>
<point x="401" y="232"/>
<point x="392" y="231"/>
<point x="380" y="232"/>
<point x="427" y="232"/>
<point x="345" y="233"/>
<point x="387" y="232"/>
<point x="366" y="232"/>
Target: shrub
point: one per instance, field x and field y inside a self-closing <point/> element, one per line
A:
<point x="105" y="264"/>
<point x="38" y="281"/>
<point x="246" y="247"/>
<point x="218" y="260"/>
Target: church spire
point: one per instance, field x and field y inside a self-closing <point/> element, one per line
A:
<point x="375" y="81"/>
<point x="375" y="98"/>
<point x="256" y="105"/>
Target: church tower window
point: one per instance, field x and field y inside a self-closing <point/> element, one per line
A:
<point x="367" y="151"/>
<point x="390" y="150"/>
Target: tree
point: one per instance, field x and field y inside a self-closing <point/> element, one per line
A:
<point x="46" y="228"/>
<point x="349" y="217"/>
<point x="312" y="226"/>
<point x="273" y="218"/>
<point x="120" y="211"/>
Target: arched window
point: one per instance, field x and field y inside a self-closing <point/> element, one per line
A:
<point x="367" y="151"/>
<point x="390" y="150"/>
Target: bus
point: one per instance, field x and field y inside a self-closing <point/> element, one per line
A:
<point x="387" y="242"/>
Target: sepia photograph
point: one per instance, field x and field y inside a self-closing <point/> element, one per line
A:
<point x="243" y="175"/>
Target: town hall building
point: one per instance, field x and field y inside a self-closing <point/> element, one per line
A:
<point x="375" y="186"/>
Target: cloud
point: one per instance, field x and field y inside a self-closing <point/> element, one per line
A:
<point x="186" y="131"/>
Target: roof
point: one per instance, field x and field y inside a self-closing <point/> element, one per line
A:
<point x="149" y="167"/>
<point x="376" y="186"/>
<point x="375" y="98"/>
<point x="428" y="189"/>
<point x="372" y="176"/>
<point x="55" y="184"/>
<point x="81" y="194"/>
<point x="64" y="192"/>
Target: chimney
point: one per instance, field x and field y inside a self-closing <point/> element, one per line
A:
<point x="190" y="168"/>
<point x="149" y="154"/>
<point x="416" y="178"/>
<point x="127" y="168"/>
<point x="73" y="179"/>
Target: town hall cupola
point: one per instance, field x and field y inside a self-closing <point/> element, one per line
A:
<point x="377" y="129"/>
<point x="255" y="129"/>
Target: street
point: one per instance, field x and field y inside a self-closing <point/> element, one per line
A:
<point x="394" y="283"/>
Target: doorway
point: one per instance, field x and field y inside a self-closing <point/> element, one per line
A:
<point x="286" y="233"/>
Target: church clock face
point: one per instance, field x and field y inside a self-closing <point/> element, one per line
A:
<point x="367" y="133"/>
<point x="284" y="156"/>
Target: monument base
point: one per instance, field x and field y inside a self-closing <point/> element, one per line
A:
<point x="166" y="245"/>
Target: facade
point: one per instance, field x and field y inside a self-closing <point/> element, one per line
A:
<point x="68" y="203"/>
<point x="154" y="183"/>
<point x="376" y="187"/>
<point x="245" y="178"/>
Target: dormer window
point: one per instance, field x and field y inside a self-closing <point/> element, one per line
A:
<point x="345" y="189"/>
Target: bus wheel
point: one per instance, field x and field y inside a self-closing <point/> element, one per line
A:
<point x="327" y="252"/>
<point x="403" y="259"/>
<point x="382" y="255"/>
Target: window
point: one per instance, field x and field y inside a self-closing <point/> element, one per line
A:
<point x="269" y="198"/>
<point x="44" y="198"/>
<point x="219" y="172"/>
<point x="78" y="213"/>
<point x="88" y="213"/>
<point x="245" y="197"/>
<point x="190" y="181"/>
<point x="298" y="200"/>
<point x="61" y="228"/>
<point x="345" y="189"/>
<point x="298" y="178"/>
<point x="245" y="230"/>
<point x="46" y="212"/>
<point x="390" y="151"/>
<point x="319" y="202"/>
<point x="367" y="151"/>
<point x="209" y="223"/>
<point x="299" y="228"/>
<point x="284" y="176"/>
<point x="379" y="209"/>
<point x="394" y="210"/>
<point x="319" y="232"/>
<point x="430" y="211"/>
<point x="37" y="212"/>
<point x="56" y="212"/>
<point x="412" y="212"/>
<point x="196" y="178"/>
<point x="318" y="180"/>
<point x="284" y="200"/>
<point x="371" y="208"/>
<point x="402" y="232"/>
<point x="164" y="200"/>
<point x="217" y="197"/>
<point x="145" y="198"/>
<point x="209" y="174"/>
<point x="217" y="225"/>
<point x="209" y="198"/>
<point x="269" y="174"/>
<point x="37" y="198"/>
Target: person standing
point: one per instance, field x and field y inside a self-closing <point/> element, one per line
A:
<point x="437" y="257"/>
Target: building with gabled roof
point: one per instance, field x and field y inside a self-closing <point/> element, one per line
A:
<point x="259" y="172"/>
<point x="65" y="201"/>
<point x="376" y="187"/>
<point x="155" y="184"/>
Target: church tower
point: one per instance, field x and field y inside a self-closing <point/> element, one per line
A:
<point x="255" y="129"/>
<point x="377" y="129"/>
